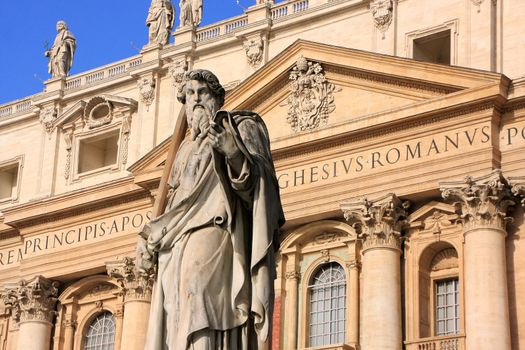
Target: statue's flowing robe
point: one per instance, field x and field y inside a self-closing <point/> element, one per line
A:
<point x="160" y="21"/>
<point x="215" y="244"/>
<point x="186" y="16"/>
<point x="62" y="53"/>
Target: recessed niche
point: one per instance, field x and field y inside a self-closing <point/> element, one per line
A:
<point x="8" y="181"/>
<point x="98" y="152"/>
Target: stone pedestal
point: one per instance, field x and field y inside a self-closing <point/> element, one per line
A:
<point x="32" y="304"/>
<point x="483" y="203"/>
<point x="379" y="224"/>
<point x="136" y="290"/>
<point x="185" y="35"/>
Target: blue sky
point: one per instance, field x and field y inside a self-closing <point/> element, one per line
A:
<point x="104" y="29"/>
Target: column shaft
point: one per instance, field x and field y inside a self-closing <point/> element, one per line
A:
<point x="486" y="295"/>
<point x="135" y="324"/>
<point x="291" y="311"/>
<point x="34" y="335"/>
<point x="353" y="306"/>
<point x="381" y="300"/>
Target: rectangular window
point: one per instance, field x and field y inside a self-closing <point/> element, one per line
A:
<point x="447" y="307"/>
<point x="98" y="152"/>
<point x="433" y="48"/>
<point x="8" y="181"/>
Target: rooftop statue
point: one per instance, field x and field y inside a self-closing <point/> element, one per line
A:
<point x="213" y="246"/>
<point x="62" y="52"/>
<point x="196" y="7"/>
<point x="161" y="17"/>
<point x="186" y="14"/>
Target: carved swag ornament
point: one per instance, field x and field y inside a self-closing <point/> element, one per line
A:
<point x="311" y="98"/>
<point x="482" y="201"/>
<point x="47" y="117"/>
<point x="382" y="11"/>
<point x="378" y="223"/>
<point x="146" y="87"/>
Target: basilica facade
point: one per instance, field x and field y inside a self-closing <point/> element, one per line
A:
<point x="398" y="135"/>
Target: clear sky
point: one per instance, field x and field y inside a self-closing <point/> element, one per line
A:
<point x="106" y="31"/>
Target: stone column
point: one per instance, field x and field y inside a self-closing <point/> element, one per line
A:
<point x="483" y="204"/>
<point x="136" y="290"/>
<point x="292" y="289"/>
<point x="70" y="325"/>
<point x="353" y="304"/>
<point x="33" y="303"/>
<point x="379" y="224"/>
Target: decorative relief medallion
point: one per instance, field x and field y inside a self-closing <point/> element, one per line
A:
<point x="482" y="201"/>
<point x="48" y="115"/>
<point x="311" y="98"/>
<point x="254" y="51"/>
<point x="327" y="237"/>
<point x="436" y="222"/>
<point x="382" y="11"/>
<point x="134" y="284"/>
<point x="178" y="70"/>
<point x="98" y="112"/>
<point x="378" y="223"/>
<point x="146" y="87"/>
<point x="100" y="289"/>
<point x="325" y="253"/>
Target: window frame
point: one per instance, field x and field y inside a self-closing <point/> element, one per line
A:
<point x="91" y="320"/>
<point x="304" y="299"/>
<point x="96" y="134"/>
<point x="452" y="25"/>
<point x="13" y="162"/>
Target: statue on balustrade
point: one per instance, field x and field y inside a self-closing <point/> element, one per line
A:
<point x="161" y="17"/>
<point x="196" y="7"/>
<point x="61" y="54"/>
<point x="186" y="14"/>
<point x="214" y="244"/>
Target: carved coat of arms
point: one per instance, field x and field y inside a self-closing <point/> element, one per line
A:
<point x="311" y="98"/>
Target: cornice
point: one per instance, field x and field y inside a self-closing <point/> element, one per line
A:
<point x="74" y="203"/>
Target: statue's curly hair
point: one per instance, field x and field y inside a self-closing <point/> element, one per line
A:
<point x="209" y="78"/>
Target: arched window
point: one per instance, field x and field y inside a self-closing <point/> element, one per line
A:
<point x="327" y="291"/>
<point x="100" y="334"/>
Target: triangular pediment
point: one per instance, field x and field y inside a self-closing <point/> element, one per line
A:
<point x="370" y="92"/>
<point x="83" y="108"/>
<point x="366" y="91"/>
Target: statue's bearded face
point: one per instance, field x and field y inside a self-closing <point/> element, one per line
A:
<point x="201" y="106"/>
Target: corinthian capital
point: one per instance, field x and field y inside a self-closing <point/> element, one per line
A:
<point x="518" y="187"/>
<point x="482" y="201"/>
<point x="134" y="284"/>
<point x="380" y="222"/>
<point x="32" y="300"/>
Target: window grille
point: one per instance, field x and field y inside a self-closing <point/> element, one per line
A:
<point x="100" y="334"/>
<point x="327" y="305"/>
<point x="447" y="307"/>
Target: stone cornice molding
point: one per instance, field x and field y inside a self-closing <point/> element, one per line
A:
<point x="134" y="284"/>
<point x="379" y="223"/>
<point x="32" y="300"/>
<point x="517" y="184"/>
<point x="482" y="202"/>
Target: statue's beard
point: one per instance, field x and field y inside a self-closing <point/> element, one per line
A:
<point x="200" y="122"/>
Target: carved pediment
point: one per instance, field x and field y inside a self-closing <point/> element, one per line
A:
<point x="433" y="217"/>
<point x="91" y="113"/>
